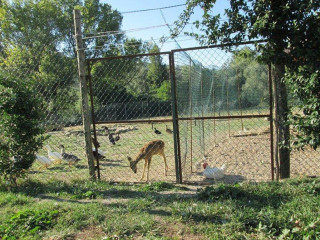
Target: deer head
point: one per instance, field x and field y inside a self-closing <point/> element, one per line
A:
<point x="133" y="164"/>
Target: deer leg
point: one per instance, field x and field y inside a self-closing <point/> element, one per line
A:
<point x="144" y="168"/>
<point x="165" y="163"/>
<point x="149" y="163"/>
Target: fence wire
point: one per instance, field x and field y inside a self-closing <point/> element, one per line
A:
<point x="231" y="87"/>
<point x="132" y="97"/>
<point x="53" y="77"/>
<point x="132" y="108"/>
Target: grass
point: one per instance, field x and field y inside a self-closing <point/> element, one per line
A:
<point x="99" y="210"/>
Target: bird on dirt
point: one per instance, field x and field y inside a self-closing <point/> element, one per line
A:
<point x="215" y="173"/>
<point x="69" y="158"/>
<point x="168" y="130"/>
<point x="156" y="131"/>
<point x="117" y="138"/>
<point x="111" y="139"/>
<point x="110" y="136"/>
<point x="97" y="154"/>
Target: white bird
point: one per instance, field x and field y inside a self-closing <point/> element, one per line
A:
<point x="43" y="160"/>
<point x="99" y="151"/>
<point x="215" y="173"/>
<point x="55" y="156"/>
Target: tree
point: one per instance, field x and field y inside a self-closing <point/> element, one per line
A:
<point x="37" y="41"/>
<point x="158" y="76"/>
<point x="20" y="128"/>
<point x="277" y="21"/>
<point x="250" y="77"/>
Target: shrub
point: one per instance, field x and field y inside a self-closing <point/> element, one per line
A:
<point x="20" y="129"/>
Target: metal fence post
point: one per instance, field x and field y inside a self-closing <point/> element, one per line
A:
<point x="84" y="92"/>
<point x="177" y="152"/>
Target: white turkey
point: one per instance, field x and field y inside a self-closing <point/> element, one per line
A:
<point x="215" y="173"/>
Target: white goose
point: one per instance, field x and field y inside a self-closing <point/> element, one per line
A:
<point x="55" y="156"/>
<point x="43" y="160"/>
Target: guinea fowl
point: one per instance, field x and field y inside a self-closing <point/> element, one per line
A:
<point x="69" y="158"/>
<point x="168" y="130"/>
<point x="110" y="136"/>
<point x="117" y="138"/>
<point x="215" y="173"/>
<point x="156" y="131"/>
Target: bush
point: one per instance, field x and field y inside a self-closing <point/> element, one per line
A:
<point x="20" y="129"/>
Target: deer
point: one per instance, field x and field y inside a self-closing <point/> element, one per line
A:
<point x="155" y="147"/>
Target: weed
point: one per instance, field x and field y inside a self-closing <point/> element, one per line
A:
<point x="27" y="222"/>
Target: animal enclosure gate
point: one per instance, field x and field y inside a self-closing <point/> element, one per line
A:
<point x="208" y="104"/>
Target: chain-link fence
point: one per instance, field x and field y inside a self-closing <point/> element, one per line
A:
<point x="222" y="105"/>
<point x="131" y="98"/>
<point x="223" y="96"/>
<point x="52" y="76"/>
<point x="223" y="114"/>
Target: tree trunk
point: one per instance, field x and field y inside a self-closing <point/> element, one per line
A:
<point x="281" y="116"/>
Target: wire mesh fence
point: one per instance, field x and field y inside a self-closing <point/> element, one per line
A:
<point x="223" y="106"/>
<point x="224" y="113"/>
<point x="52" y="76"/>
<point x="131" y="98"/>
<point x="223" y="109"/>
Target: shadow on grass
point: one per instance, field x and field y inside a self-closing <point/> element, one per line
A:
<point x="250" y="196"/>
<point x="101" y="190"/>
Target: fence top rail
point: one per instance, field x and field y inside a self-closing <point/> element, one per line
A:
<point x="176" y="50"/>
<point x="218" y="45"/>
<point x="128" y="56"/>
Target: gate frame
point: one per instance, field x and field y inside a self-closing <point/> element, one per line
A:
<point x="175" y="117"/>
<point x="269" y="116"/>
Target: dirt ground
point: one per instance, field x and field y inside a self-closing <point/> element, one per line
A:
<point x="247" y="156"/>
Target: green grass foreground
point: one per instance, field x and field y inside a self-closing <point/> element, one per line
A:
<point x="99" y="210"/>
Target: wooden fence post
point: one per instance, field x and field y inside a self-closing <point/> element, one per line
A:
<point x="86" y="120"/>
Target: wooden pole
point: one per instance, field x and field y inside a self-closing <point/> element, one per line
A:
<point x="86" y="120"/>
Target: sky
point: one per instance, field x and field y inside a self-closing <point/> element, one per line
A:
<point x="148" y="19"/>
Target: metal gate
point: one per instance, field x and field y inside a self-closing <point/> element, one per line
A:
<point x="224" y="113"/>
<point x="208" y="105"/>
<point x="131" y="102"/>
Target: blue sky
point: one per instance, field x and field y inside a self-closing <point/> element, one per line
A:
<point x="154" y="18"/>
